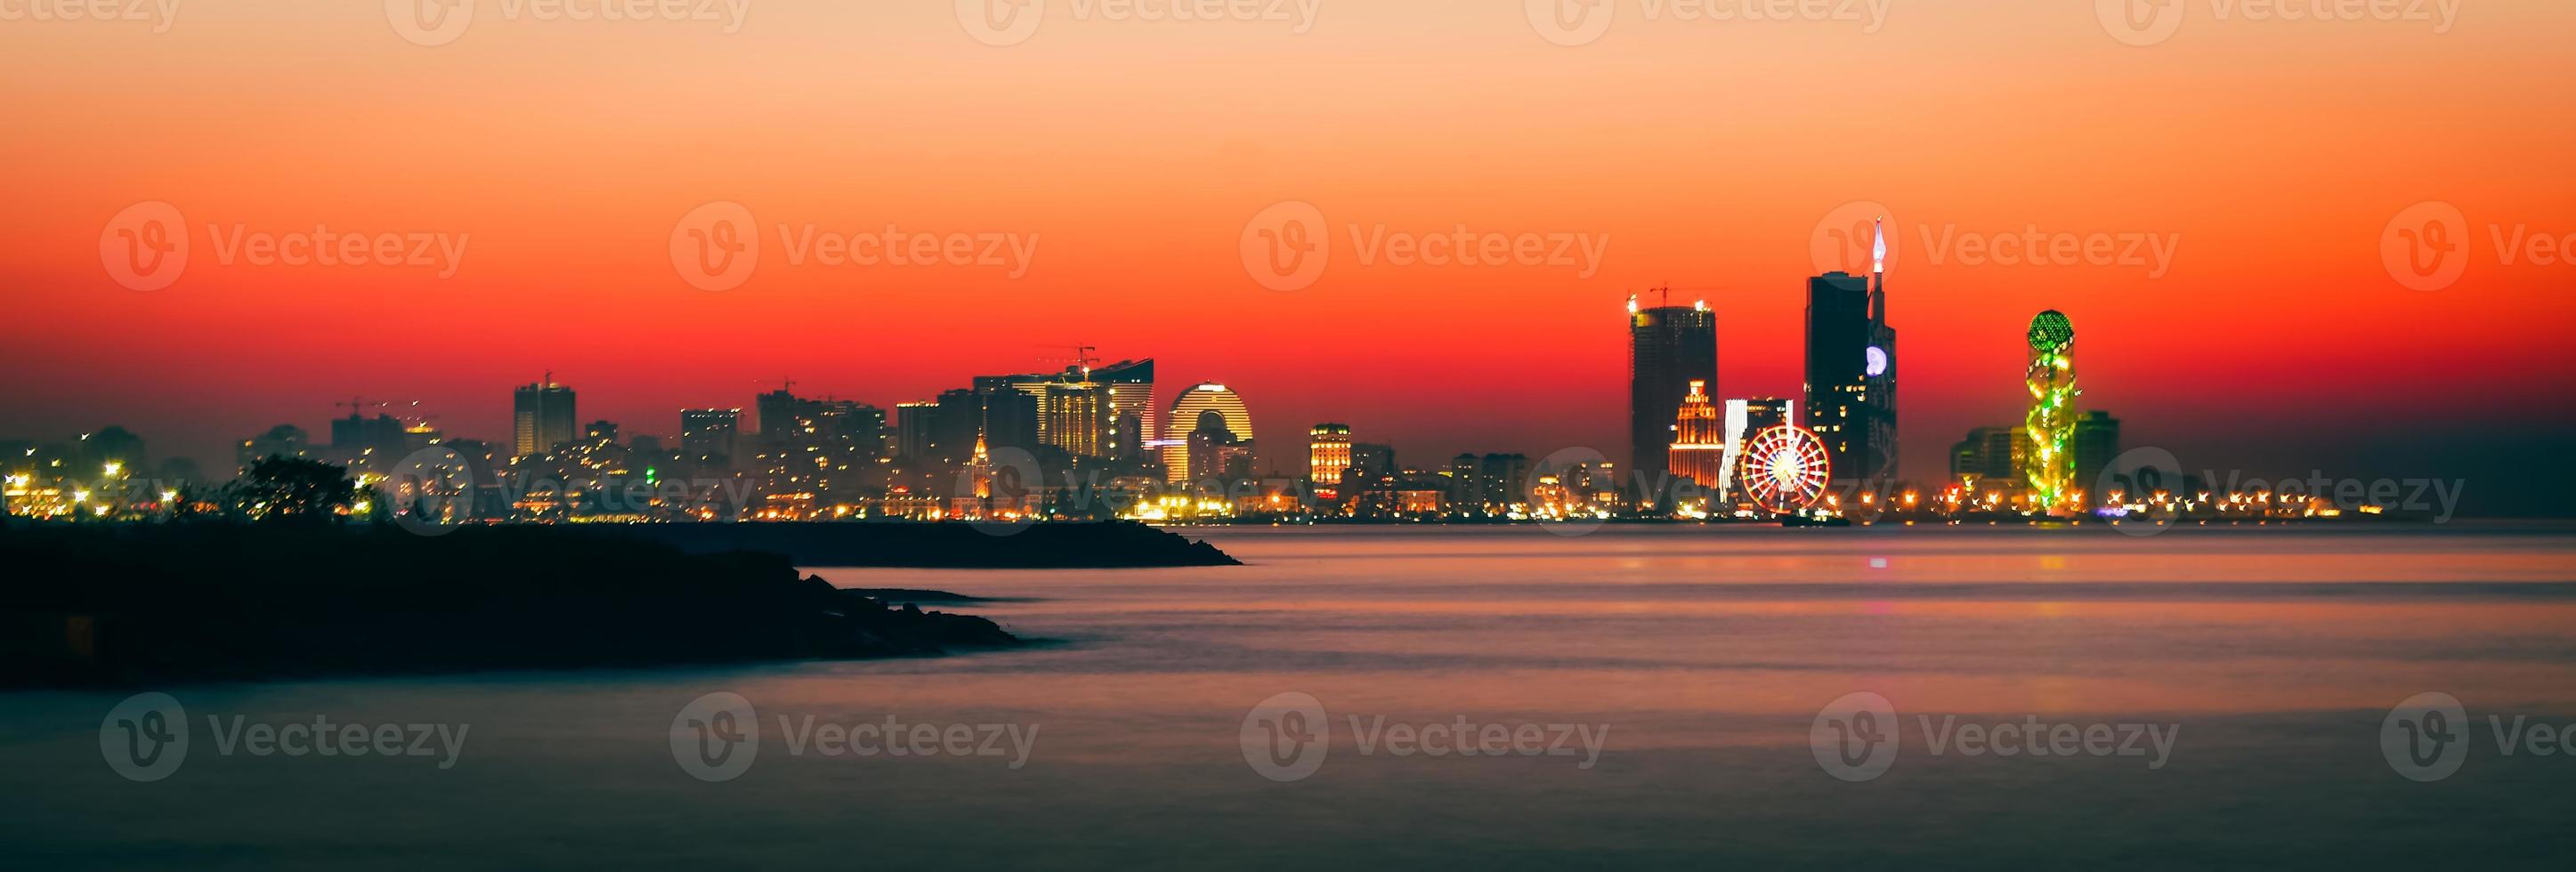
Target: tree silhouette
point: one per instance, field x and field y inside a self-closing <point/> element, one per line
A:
<point x="293" y="490"/>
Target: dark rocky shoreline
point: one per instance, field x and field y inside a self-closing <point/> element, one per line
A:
<point x="126" y="604"/>
<point x="953" y="545"/>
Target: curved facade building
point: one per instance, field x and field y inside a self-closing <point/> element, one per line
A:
<point x="1201" y="397"/>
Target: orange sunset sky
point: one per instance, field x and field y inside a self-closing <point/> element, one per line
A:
<point x="1130" y="153"/>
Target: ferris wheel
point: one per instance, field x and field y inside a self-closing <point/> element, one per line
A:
<point x="1785" y="469"/>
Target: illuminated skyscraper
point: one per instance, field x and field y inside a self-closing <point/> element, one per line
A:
<point x="1851" y="370"/>
<point x="1328" y="456"/>
<point x="1505" y="481"/>
<point x="1184" y="419"/>
<point x="1076" y="418"/>
<point x="1698" y="449"/>
<point x="1669" y="347"/>
<point x="2050" y="460"/>
<point x="1072" y="409"/>
<point x="709" y="437"/>
<point x="542" y="417"/>
<point x="1131" y="405"/>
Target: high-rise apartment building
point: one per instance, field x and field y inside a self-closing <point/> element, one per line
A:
<point x="542" y="417"/>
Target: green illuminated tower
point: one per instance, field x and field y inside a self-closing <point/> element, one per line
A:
<point x="2051" y="461"/>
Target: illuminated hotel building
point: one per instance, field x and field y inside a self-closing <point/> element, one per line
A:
<point x="1328" y="455"/>
<point x="1074" y="410"/>
<point x="541" y="417"/>
<point x="1698" y="449"/>
<point x="1075" y="416"/>
<point x="1669" y="347"/>
<point x="1184" y="417"/>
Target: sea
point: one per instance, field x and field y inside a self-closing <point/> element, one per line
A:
<point x="1451" y="697"/>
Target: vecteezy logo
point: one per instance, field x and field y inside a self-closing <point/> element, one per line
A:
<point x="1001" y="491"/>
<point x="1572" y="22"/>
<point x="716" y="736"/>
<point x="144" y="738"/>
<point x="1286" y="737"/>
<point x="1286" y="246"/>
<point x="1854" y="737"/>
<point x="2150" y="477"/>
<point x="2426" y="247"/>
<point x="429" y="22"/>
<point x="1001" y="22"/>
<point x="716" y="246"/>
<point x="2140" y="22"/>
<point x="1573" y="469"/>
<point x="2426" y="737"/>
<point x="429" y="492"/>
<point x="1846" y="240"/>
<point x="145" y="247"/>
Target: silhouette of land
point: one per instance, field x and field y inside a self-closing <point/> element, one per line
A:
<point x="90" y="604"/>
<point x="952" y="545"/>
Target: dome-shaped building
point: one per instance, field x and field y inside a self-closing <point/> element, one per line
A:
<point x="1186" y="409"/>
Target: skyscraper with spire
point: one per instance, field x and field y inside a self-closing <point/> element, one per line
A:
<point x="1851" y="368"/>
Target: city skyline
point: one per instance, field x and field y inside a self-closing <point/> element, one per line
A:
<point x="2270" y="333"/>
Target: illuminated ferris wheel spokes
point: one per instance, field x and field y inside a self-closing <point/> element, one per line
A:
<point x="1786" y="469"/>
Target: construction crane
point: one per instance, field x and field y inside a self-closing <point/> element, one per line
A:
<point x="1085" y="355"/>
<point x="358" y="405"/>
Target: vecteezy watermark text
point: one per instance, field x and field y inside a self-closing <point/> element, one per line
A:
<point x="2430" y="245"/>
<point x="717" y="247"/>
<point x="717" y="736"/>
<point x="1582" y="22"/>
<point x="1857" y="737"/>
<point x="147" y="247"/>
<point x="1011" y="22"/>
<point x="439" y="22"/>
<point x="161" y="14"/>
<point x="1287" y="246"/>
<point x="147" y="738"/>
<point x="2149" y="22"/>
<point x="2427" y="737"/>
<point x="1286" y="738"/>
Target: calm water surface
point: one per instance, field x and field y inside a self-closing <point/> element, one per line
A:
<point x="1700" y="657"/>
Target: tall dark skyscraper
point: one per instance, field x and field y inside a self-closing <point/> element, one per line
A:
<point x="1668" y="348"/>
<point x="954" y="427"/>
<point x="2097" y="445"/>
<point x="357" y="437"/>
<point x="1851" y="371"/>
<point x="542" y="417"/>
